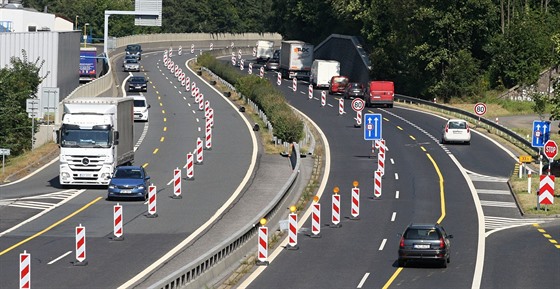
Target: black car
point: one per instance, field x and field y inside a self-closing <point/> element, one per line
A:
<point x="354" y="90"/>
<point x="427" y="242"/>
<point x="137" y="83"/>
<point x="134" y="49"/>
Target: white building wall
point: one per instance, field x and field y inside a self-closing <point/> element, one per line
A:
<point x="22" y="19"/>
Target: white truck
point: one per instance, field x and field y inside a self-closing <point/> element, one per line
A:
<point x="322" y="71"/>
<point x="95" y="136"/>
<point x="265" y="51"/>
<point x="296" y="58"/>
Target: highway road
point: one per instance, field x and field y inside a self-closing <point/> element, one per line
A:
<point x="175" y="123"/>
<point x="457" y="185"/>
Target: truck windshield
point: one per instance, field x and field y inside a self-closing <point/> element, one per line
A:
<point x="86" y="138"/>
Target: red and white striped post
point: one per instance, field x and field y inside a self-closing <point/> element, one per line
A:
<point x="190" y="167"/>
<point x="341" y="106"/>
<point x="199" y="151"/>
<point x="241" y="64"/>
<point x="310" y="92"/>
<point x="24" y="270"/>
<point x="262" y="250"/>
<point x="355" y="208"/>
<point x="323" y="98"/>
<point x="335" y="219"/>
<point x="183" y="82"/>
<point x="381" y="162"/>
<point x="292" y="231"/>
<point x="316" y="218"/>
<point x="170" y="52"/>
<point x="118" y="222"/>
<point x="211" y="117"/>
<point x="358" y="119"/>
<point x="193" y="85"/>
<point x="201" y="102"/>
<point x="261" y="72"/>
<point x="294" y="84"/>
<point x="208" y="143"/>
<point x="180" y="51"/>
<point x="80" y="246"/>
<point x="152" y="202"/>
<point x="192" y="48"/>
<point x="187" y="83"/>
<point x="377" y="184"/>
<point x="206" y="108"/>
<point x="279" y="78"/>
<point x="250" y="70"/>
<point x="211" y="46"/>
<point x="177" y="184"/>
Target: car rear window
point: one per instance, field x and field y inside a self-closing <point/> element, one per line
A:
<point x="424" y="234"/>
<point x="458" y="125"/>
<point x="342" y="80"/>
<point x="139" y="103"/>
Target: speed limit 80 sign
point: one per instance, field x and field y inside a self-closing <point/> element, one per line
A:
<point x="480" y="109"/>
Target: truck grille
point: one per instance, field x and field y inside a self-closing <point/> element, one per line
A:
<point x="85" y="167"/>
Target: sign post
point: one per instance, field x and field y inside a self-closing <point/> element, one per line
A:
<point x="4" y="153"/>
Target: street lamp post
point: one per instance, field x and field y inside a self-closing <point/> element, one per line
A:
<point x="76" y="22"/>
<point x="85" y="34"/>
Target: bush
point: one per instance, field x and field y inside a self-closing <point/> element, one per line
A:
<point x="287" y="126"/>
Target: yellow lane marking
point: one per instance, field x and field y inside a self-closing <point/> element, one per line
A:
<point x="392" y="278"/>
<point x="164" y="119"/>
<point x="413" y="138"/>
<point x="442" y="205"/>
<point x="423" y="149"/>
<point x="155" y="151"/>
<point x="163" y="111"/>
<point x="51" y="226"/>
<point x="164" y="128"/>
<point x="162" y="139"/>
<point x="159" y="97"/>
<point x="386" y="119"/>
<point x="400" y="127"/>
<point x="553" y="241"/>
<point x="541" y="230"/>
<point x="145" y="165"/>
<point x="547" y="236"/>
<point x="557" y="246"/>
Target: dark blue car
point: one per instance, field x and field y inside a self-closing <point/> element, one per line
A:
<point x="129" y="182"/>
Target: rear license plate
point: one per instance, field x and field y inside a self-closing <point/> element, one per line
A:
<point x="421" y="246"/>
<point x="126" y="191"/>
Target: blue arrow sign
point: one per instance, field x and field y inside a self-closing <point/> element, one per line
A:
<point x="372" y="127"/>
<point x="541" y="133"/>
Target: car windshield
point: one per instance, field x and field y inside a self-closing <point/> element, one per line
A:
<point x="133" y="48"/>
<point x="86" y="138"/>
<point x="356" y="85"/>
<point x="457" y="125"/>
<point x="139" y="103"/>
<point x="128" y="174"/>
<point x="423" y="234"/>
<point x="340" y="80"/>
<point x="132" y="60"/>
<point x="274" y="60"/>
<point x="137" y="79"/>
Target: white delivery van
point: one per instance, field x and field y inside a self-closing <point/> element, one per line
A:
<point x="322" y="71"/>
<point x="141" y="108"/>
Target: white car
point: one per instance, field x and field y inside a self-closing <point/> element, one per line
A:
<point x="141" y="108"/>
<point x="456" y="130"/>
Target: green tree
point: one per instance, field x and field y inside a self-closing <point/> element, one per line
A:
<point x="18" y="82"/>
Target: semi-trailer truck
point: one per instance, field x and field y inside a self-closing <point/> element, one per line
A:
<point x="296" y="58"/>
<point x="95" y="136"/>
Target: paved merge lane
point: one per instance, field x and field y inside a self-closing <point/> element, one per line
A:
<point x="173" y="128"/>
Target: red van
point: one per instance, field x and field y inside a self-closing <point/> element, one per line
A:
<point x="338" y="84"/>
<point x="380" y="93"/>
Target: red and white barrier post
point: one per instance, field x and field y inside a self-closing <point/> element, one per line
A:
<point x="201" y="102"/>
<point x="206" y="108"/>
<point x="294" y="84"/>
<point x="24" y="270"/>
<point x="118" y="222"/>
<point x="261" y="72"/>
<point x="180" y="51"/>
<point x="187" y="83"/>
<point x="211" y="117"/>
<point x="279" y="78"/>
<point x="208" y="143"/>
<point x="192" y="48"/>
<point x="381" y="162"/>
<point x="355" y="208"/>
<point x="310" y="92"/>
<point x="241" y="64"/>
<point x="199" y="151"/>
<point x="190" y="167"/>
<point x="262" y="250"/>
<point x="292" y="231"/>
<point x="335" y="219"/>
<point x="211" y="46"/>
<point x="358" y="119"/>
<point x="152" y="202"/>
<point x="341" y="106"/>
<point x="250" y="70"/>
<point x="80" y="246"/>
<point x="177" y="184"/>
<point x="323" y="98"/>
<point x="377" y="184"/>
<point x="316" y="218"/>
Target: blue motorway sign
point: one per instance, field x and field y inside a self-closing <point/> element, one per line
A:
<point x="541" y="133"/>
<point x="372" y="126"/>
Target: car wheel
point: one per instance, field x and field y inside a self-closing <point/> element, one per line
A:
<point x="401" y="263"/>
<point x="468" y="142"/>
<point x="444" y="263"/>
<point x="442" y="141"/>
<point x="448" y="259"/>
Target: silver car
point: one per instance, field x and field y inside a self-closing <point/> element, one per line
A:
<point x="131" y="65"/>
<point x="272" y="64"/>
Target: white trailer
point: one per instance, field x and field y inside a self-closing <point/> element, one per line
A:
<point x="265" y="50"/>
<point x="322" y="71"/>
<point x="95" y="136"/>
<point x="296" y="58"/>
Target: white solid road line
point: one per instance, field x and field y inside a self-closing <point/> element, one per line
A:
<point x="363" y="280"/>
<point x="382" y="244"/>
<point x="61" y="256"/>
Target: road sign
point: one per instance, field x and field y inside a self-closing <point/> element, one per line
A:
<point x="525" y="159"/>
<point x="480" y="109"/>
<point x="358" y="104"/>
<point x="372" y="126"/>
<point x="541" y="133"/>
<point x="550" y="149"/>
<point x="546" y="190"/>
<point x="31" y="105"/>
<point x="5" y="152"/>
